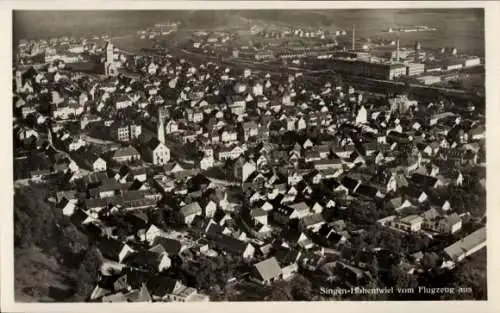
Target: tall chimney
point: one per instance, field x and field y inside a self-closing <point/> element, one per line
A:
<point x="353" y="37"/>
<point x="397" y="50"/>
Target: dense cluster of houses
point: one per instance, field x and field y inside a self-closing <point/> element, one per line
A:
<point x="246" y="164"/>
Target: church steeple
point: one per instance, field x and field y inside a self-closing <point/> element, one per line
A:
<point x="161" y="127"/>
<point x="109" y="63"/>
<point x="109" y="48"/>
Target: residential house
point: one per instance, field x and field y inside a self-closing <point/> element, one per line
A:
<point x="86" y="161"/>
<point x="231" y="245"/>
<point x="267" y="271"/>
<point x="426" y="181"/>
<point x="229" y="135"/>
<point x="259" y="215"/>
<point x="436" y="222"/>
<point x="410" y="223"/>
<point x="207" y="162"/>
<point x="126" y="154"/>
<point x="312" y="222"/>
<point x="250" y="129"/>
<point x="226" y="153"/>
<point x="210" y="208"/>
<point x="189" y="211"/>
<point x="171" y="246"/>
<point x="168" y="289"/>
<point x="114" y="250"/>
<point x="171" y="127"/>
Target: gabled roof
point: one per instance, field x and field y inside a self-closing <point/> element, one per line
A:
<point x="153" y="143"/>
<point x="466" y="244"/>
<point x="110" y="248"/>
<point x="423" y="180"/>
<point x="190" y="209"/>
<point x="395" y="202"/>
<point x="228" y="243"/>
<point x="313" y="219"/>
<point x="256" y="212"/>
<point x="268" y="269"/>
<point x="300" y="206"/>
<point x="366" y="191"/>
<point x="411" y="219"/>
<point x="249" y="124"/>
<point x="160" y="286"/>
<point x="171" y="246"/>
<point x="286" y="256"/>
<point x="283" y="210"/>
<point x="349" y="183"/>
<point x="430" y="214"/>
<point x="125" y="152"/>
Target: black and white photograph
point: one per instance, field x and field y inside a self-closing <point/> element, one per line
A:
<point x="229" y="155"/>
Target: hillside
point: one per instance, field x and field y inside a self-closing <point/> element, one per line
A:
<point x="48" y="249"/>
<point x="40" y="278"/>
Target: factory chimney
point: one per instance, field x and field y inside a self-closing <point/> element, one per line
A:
<point x="353" y="37"/>
<point x="397" y="50"/>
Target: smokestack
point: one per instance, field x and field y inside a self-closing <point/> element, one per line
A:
<point x="353" y="37"/>
<point x="397" y="50"/>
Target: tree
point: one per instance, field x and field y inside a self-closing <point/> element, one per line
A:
<point x="73" y="248"/>
<point x="401" y="279"/>
<point x="430" y="260"/>
<point x="301" y="288"/>
<point x="471" y="273"/>
<point x="88" y="271"/>
<point x="374" y="268"/>
<point x="280" y="291"/>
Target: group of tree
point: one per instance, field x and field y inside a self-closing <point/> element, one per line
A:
<point x="298" y="289"/>
<point x="214" y="273"/>
<point x="88" y="273"/>
<point x="38" y="223"/>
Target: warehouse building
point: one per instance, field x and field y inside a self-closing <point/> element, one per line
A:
<point x="387" y="71"/>
<point x="413" y="69"/>
<point x="429" y="79"/>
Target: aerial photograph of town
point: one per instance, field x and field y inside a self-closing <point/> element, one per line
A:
<point x="259" y="155"/>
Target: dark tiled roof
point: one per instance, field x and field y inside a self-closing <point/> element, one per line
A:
<point x="171" y="246"/>
<point x="160" y="286"/>
<point x="228" y="243"/>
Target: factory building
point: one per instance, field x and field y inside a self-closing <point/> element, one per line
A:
<point x="413" y="69"/>
<point x="433" y="67"/>
<point x="471" y="61"/>
<point x="429" y="79"/>
<point x="452" y="64"/>
<point x="369" y="69"/>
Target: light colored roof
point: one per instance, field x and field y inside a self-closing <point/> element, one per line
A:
<point x="411" y="219"/>
<point x="313" y="219"/>
<point x="396" y="202"/>
<point x="117" y="297"/>
<point x="258" y="212"/>
<point x="127" y="151"/>
<point x="268" y="269"/>
<point x="466" y="244"/>
<point x="452" y="219"/>
<point x="430" y="214"/>
<point x="301" y="206"/>
<point x="190" y="209"/>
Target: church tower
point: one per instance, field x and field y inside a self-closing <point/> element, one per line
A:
<point x="109" y="48"/>
<point x="19" y="81"/>
<point x="109" y="63"/>
<point x="161" y="126"/>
